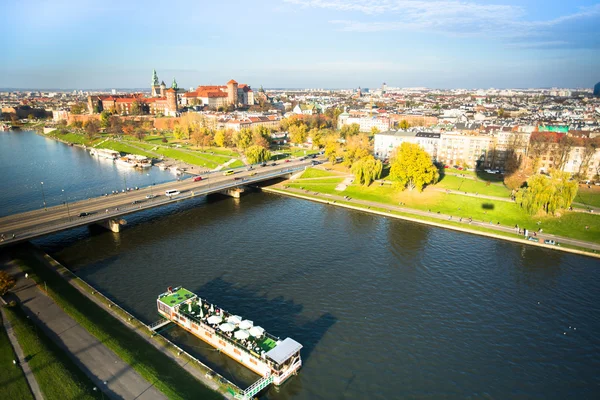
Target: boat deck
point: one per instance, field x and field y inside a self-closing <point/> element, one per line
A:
<point x="177" y="297"/>
<point x="255" y="345"/>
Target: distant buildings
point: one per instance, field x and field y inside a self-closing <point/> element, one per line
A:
<point x="366" y="123"/>
<point x="597" y="89"/>
<point x="163" y="101"/>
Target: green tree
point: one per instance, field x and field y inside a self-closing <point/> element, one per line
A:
<point x="220" y="138"/>
<point x="6" y="282"/>
<point x="357" y="147"/>
<point x="545" y="194"/>
<point x="332" y="148"/>
<point x="256" y="154"/>
<point x="243" y="138"/>
<point x="318" y="137"/>
<point x="298" y="133"/>
<point x="349" y="130"/>
<point x="374" y="131"/>
<point x="404" y="124"/>
<point x="136" y="108"/>
<point x="115" y="124"/>
<point x="78" y="108"/>
<point x="411" y="167"/>
<point x="91" y="128"/>
<point x="180" y="133"/>
<point x="140" y="134"/>
<point x="367" y="169"/>
<point x="261" y="136"/>
<point x="104" y="119"/>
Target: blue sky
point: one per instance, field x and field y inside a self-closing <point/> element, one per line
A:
<point x="300" y="43"/>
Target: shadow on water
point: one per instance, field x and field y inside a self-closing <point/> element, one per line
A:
<point x="280" y="317"/>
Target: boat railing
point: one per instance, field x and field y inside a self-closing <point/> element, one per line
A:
<point x="256" y="387"/>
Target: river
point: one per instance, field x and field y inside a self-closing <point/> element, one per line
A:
<point x="384" y="308"/>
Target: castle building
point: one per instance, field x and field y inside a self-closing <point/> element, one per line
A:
<point x="231" y="94"/>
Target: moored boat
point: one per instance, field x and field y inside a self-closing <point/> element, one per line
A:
<point x="270" y="357"/>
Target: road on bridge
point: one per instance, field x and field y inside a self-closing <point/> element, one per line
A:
<point x="41" y="222"/>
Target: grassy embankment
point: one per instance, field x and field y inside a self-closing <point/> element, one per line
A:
<point x="13" y="384"/>
<point x="588" y="196"/>
<point x="570" y="224"/>
<point x="155" y="366"/>
<point x="57" y="375"/>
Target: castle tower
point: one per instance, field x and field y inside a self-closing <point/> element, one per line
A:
<point x="171" y="109"/>
<point x="174" y="84"/>
<point x="155" y="87"/>
<point x="232" y="93"/>
<point x="163" y="87"/>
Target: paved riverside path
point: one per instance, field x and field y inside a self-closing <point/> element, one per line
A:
<point x="442" y="217"/>
<point x="93" y="357"/>
<point x="31" y="381"/>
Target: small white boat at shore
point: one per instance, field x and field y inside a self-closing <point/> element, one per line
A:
<point x="105" y="153"/>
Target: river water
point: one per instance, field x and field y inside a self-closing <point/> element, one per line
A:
<point x="385" y="309"/>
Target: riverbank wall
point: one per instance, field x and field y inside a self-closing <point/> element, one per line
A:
<point x="430" y="223"/>
<point x="191" y="364"/>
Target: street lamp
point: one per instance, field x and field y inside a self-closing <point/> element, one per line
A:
<point x="66" y="203"/>
<point x="43" y="196"/>
<point x="151" y="184"/>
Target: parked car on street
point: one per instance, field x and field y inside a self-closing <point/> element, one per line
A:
<point x="532" y="239"/>
<point x="548" y="241"/>
<point x="197" y="178"/>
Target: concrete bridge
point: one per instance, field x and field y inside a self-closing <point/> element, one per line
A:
<point x="109" y="210"/>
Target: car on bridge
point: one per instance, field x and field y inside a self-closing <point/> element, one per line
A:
<point x="230" y="172"/>
<point x="253" y="173"/>
<point x="263" y="164"/>
<point x="197" y="178"/>
<point x="273" y="164"/>
<point x="151" y="196"/>
<point x="137" y="201"/>
<point x="84" y="214"/>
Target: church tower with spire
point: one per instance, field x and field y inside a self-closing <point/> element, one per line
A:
<point x="155" y="87"/>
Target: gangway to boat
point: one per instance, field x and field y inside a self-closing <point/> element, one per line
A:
<point x="255" y="388"/>
<point x="158" y="324"/>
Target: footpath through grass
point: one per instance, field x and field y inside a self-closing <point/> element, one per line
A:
<point x="155" y="366"/>
<point x="570" y="224"/>
<point x="57" y="375"/>
<point x="13" y="384"/>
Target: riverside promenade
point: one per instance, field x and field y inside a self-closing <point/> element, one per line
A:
<point x="459" y="224"/>
<point x="111" y="375"/>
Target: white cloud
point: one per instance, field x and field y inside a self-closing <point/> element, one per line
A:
<point x="450" y="17"/>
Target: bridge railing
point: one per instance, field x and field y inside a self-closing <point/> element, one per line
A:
<point x="75" y="221"/>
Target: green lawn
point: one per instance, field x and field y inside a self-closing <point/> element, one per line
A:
<point x="590" y="197"/>
<point x="75" y="138"/>
<point x="571" y="224"/>
<point x="156" y="367"/>
<point x="194" y="159"/>
<point x="316" y="173"/>
<point x="470" y="185"/>
<point x="56" y="374"/>
<point x="13" y="384"/>
<point x="236" y="164"/>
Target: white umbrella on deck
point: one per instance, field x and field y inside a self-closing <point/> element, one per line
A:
<point x="241" y="334"/>
<point x="226" y="327"/>
<point x="201" y="313"/>
<point x="234" y="319"/>
<point x="256" y="331"/>
<point x="214" y="319"/>
<point x="246" y="324"/>
<point x="212" y="308"/>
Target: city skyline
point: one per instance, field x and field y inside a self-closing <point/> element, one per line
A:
<point x="294" y="44"/>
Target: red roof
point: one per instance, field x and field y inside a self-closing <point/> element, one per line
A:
<point x="232" y="81"/>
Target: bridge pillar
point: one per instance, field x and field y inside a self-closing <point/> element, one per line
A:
<point x="113" y="225"/>
<point x="234" y="192"/>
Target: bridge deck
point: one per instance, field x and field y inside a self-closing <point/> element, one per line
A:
<point x="33" y="224"/>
